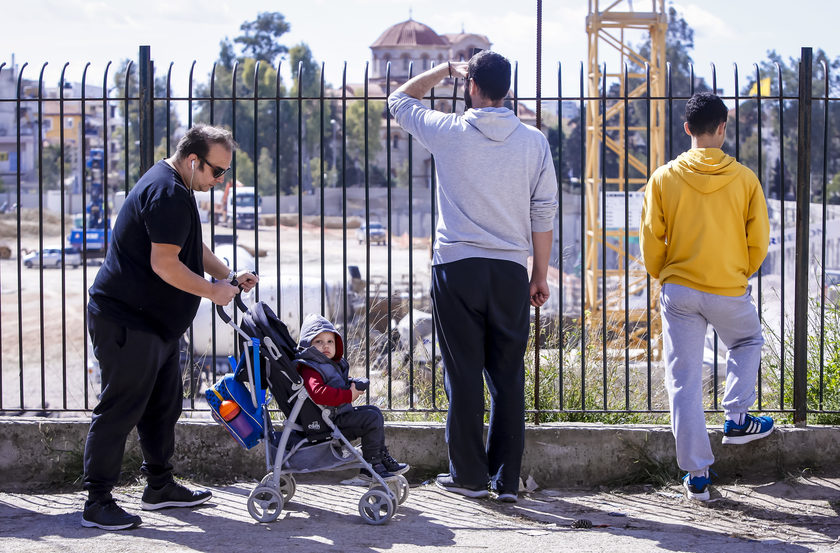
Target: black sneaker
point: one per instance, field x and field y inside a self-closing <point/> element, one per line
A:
<point x="172" y="495"/>
<point x="378" y="468"/>
<point x="445" y="482"/>
<point x="108" y="516"/>
<point x="393" y="466"/>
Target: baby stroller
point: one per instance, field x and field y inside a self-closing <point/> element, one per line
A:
<point x="309" y="440"/>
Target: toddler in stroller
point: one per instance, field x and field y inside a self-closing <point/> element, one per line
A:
<point x="325" y="372"/>
<point x="311" y="439"/>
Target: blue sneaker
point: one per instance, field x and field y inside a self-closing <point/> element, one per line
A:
<point x="753" y="428"/>
<point x="696" y="487"/>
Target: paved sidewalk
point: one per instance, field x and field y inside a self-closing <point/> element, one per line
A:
<point x="795" y="515"/>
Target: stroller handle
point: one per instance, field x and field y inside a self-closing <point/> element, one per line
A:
<point x="237" y="300"/>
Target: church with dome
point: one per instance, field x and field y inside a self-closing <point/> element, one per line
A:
<point x="412" y="41"/>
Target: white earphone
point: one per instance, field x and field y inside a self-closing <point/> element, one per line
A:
<point x="192" y="164"/>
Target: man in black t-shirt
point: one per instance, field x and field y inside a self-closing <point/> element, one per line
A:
<point x="143" y="299"/>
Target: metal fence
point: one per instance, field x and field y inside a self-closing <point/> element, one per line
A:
<point x="327" y="165"/>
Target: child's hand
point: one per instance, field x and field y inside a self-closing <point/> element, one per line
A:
<point x="356" y="393"/>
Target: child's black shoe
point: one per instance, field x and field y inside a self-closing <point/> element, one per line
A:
<point x="378" y="468"/>
<point x="392" y="464"/>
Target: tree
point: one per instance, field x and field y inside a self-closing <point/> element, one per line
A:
<point x="355" y="130"/>
<point x="270" y="133"/>
<point x="779" y="122"/>
<point x="260" y="38"/>
<point x="244" y="169"/>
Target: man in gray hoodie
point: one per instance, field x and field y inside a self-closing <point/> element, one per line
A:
<point x="496" y="196"/>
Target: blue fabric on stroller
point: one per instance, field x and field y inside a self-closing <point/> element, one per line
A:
<point x="279" y="375"/>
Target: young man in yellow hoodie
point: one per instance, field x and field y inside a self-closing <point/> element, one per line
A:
<point x="704" y="232"/>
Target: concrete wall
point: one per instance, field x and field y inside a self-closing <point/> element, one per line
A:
<point x="37" y="452"/>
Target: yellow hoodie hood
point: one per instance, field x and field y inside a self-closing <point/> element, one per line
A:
<point x="706" y="170"/>
<point x="704" y="223"/>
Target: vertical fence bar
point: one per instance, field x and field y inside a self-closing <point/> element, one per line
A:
<point x="649" y="321"/>
<point x="366" y="131"/>
<point x="715" y="341"/>
<point x="2" y="65"/>
<point x="345" y="269"/>
<point x="537" y="309"/>
<point x="40" y="149"/>
<point x="824" y="195"/>
<point x="411" y="347"/>
<point x="105" y="153"/>
<point x="257" y="198"/>
<point x="604" y="323"/>
<point x="19" y="113"/>
<point x="760" y="175"/>
<point x="782" y="241"/>
<point x="300" y="188"/>
<point x="389" y="229"/>
<point x="195" y="368"/>
<point x="803" y="205"/>
<point x="277" y="82"/>
<point x="323" y="190"/>
<point x="626" y="147"/>
<point x="560" y="285"/>
<point x="583" y="126"/>
<point x="213" y="220"/>
<point x="126" y="126"/>
<point x="61" y="226"/>
<point x="147" y="109"/>
<point x="232" y="194"/>
<point x="82" y="164"/>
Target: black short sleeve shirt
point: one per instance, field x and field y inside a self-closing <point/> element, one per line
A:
<point x="158" y="209"/>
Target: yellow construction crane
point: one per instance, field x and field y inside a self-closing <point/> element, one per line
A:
<point x="610" y="25"/>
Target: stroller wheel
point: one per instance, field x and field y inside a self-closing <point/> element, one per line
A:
<point x="376" y="507"/>
<point x="401" y="491"/>
<point x="287" y="486"/>
<point x="265" y="504"/>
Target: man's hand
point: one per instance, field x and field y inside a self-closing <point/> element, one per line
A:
<point x="221" y="292"/>
<point x="460" y="69"/>
<point x="247" y="280"/>
<point x="539" y="292"/>
<point x="356" y="393"/>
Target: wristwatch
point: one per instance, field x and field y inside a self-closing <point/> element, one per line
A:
<point x="231" y="275"/>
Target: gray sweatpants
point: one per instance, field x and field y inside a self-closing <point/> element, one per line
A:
<point x="686" y="313"/>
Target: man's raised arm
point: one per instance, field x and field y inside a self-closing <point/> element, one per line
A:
<point x="418" y="86"/>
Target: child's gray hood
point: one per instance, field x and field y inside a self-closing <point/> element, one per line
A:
<point x="495" y="123"/>
<point x="315" y="324"/>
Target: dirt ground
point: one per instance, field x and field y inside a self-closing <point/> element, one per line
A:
<point x="46" y="326"/>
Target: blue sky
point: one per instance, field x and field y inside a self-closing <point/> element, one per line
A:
<point x="181" y="31"/>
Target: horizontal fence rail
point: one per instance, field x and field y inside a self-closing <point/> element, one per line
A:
<point x="334" y="206"/>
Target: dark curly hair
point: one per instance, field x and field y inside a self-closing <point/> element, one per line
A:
<point x="491" y="72"/>
<point x="704" y="112"/>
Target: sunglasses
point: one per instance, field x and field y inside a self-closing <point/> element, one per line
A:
<point x="217" y="171"/>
